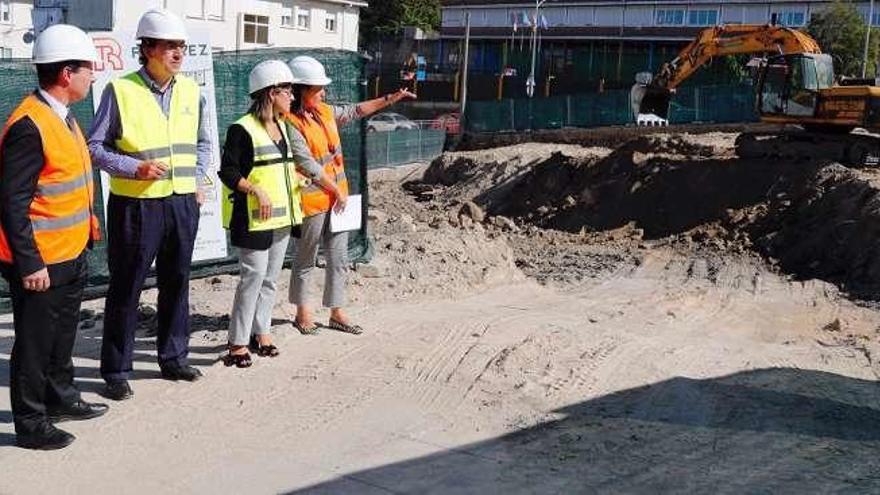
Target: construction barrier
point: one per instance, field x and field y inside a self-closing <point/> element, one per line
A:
<point x="18" y="78"/>
<point x="693" y="104"/>
<point x="401" y="146"/>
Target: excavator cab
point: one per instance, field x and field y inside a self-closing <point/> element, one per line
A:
<point x="788" y="85"/>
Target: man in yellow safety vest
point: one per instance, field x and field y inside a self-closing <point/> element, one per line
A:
<point x="150" y="135"/>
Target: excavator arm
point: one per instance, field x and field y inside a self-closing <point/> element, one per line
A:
<point x="730" y="39"/>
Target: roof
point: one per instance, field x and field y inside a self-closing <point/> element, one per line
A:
<point x="531" y="3"/>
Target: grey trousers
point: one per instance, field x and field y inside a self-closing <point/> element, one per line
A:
<point x="316" y="231"/>
<point x="255" y="294"/>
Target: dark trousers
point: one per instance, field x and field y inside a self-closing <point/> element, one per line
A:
<point x="41" y="365"/>
<point x="140" y="231"/>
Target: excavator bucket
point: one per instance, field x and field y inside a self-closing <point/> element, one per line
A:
<point x="650" y="104"/>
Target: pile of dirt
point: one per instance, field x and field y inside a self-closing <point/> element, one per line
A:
<point x="827" y="227"/>
<point x="571" y="212"/>
<point x="420" y="250"/>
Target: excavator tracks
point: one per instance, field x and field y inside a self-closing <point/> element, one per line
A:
<point x="854" y="150"/>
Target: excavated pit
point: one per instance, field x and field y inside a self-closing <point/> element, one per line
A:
<point x="811" y="219"/>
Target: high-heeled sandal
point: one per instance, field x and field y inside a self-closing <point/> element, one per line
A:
<point x="239" y="360"/>
<point x="269" y="350"/>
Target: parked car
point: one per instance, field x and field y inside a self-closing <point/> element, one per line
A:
<point x="389" y="121"/>
<point x="450" y="122"/>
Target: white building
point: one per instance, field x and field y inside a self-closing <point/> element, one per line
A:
<point x="234" y="24"/>
<point x="640" y="20"/>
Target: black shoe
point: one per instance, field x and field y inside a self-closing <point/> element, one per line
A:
<point x="46" y="438"/>
<point x="118" y="390"/>
<point x="77" y="411"/>
<point x="185" y="373"/>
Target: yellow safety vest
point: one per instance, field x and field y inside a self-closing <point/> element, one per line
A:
<point x="274" y="175"/>
<point x="147" y="134"/>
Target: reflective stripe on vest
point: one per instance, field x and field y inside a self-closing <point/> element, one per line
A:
<point x="61" y="210"/>
<point x="322" y="136"/>
<point x="147" y="134"/>
<point x="274" y="175"/>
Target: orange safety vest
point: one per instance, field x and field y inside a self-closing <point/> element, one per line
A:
<point x="320" y="132"/>
<point x="61" y="212"/>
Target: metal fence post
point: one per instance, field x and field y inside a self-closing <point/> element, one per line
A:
<point x="568" y="110"/>
<point x="512" y="115"/>
<point x="387" y="148"/>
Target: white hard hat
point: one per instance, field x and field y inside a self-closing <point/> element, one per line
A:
<point x="269" y="73"/>
<point x="306" y="70"/>
<point x="161" y="24"/>
<point x="62" y="42"/>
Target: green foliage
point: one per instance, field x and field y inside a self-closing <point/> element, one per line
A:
<point x="389" y="17"/>
<point x="840" y="31"/>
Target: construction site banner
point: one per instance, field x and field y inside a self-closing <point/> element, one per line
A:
<point x="118" y="55"/>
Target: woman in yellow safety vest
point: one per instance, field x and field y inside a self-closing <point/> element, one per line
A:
<point x="315" y="139"/>
<point x="261" y="202"/>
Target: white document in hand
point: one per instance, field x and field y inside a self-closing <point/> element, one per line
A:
<point x="350" y="218"/>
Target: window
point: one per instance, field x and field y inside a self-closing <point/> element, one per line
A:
<point x="256" y="29"/>
<point x="330" y="23"/>
<point x="702" y="17"/>
<point x="789" y="18"/>
<point x="287" y="20"/>
<point x="668" y="17"/>
<point x="205" y="9"/>
<point x="214" y="9"/>
<point x="303" y="18"/>
<point x="6" y="11"/>
<point x="5" y="53"/>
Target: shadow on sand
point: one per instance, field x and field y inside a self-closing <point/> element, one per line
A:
<point x="776" y="430"/>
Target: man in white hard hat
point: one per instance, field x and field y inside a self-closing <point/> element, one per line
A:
<point x="150" y="135"/>
<point x="46" y="201"/>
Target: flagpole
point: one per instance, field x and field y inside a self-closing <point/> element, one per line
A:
<point x="530" y="82"/>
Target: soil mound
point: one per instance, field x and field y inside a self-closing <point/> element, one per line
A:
<point x="815" y="219"/>
<point x="827" y="227"/>
<point x="664" y="185"/>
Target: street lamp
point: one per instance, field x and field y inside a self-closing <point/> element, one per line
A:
<point x="530" y="82"/>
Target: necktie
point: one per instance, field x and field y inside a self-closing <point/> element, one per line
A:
<point x="71" y="122"/>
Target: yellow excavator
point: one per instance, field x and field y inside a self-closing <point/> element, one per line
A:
<point x="794" y="86"/>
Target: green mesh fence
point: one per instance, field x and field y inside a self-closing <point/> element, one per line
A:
<point x="18" y="78"/>
<point x="389" y="148"/>
<point x="715" y="103"/>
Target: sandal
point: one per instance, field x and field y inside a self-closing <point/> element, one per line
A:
<point x="312" y="330"/>
<point x="269" y="350"/>
<point x="239" y="360"/>
<point x="342" y="327"/>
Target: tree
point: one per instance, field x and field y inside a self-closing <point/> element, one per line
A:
<point x="840" y="31"/>
<point x="389" y="17"/>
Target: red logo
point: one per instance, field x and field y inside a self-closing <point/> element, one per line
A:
<point x="109" y="54"/>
